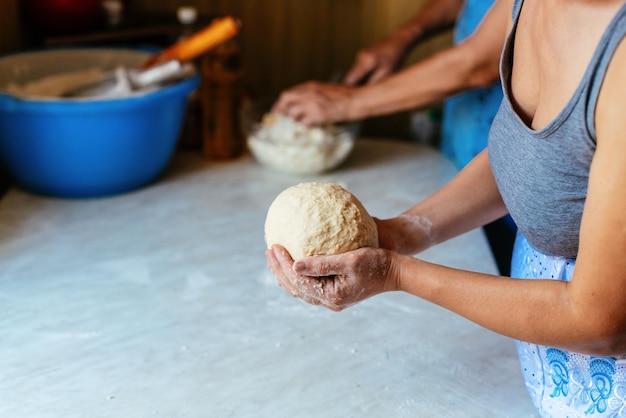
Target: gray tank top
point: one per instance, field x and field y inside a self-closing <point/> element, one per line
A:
<point x="543" y="174"/>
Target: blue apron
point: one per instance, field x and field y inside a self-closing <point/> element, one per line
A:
<point x="562" y="383"/>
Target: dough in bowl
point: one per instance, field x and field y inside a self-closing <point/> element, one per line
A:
<point x="318" y="218"/>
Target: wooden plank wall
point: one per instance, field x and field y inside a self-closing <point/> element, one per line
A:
<point x="9" y="26"/>
<point x="284" y="41"/>
<point x="289" y="41"/>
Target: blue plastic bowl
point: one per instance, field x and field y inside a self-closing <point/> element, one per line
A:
<point x="77" y="148"/>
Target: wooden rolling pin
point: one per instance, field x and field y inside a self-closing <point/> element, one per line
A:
<point x="219" y="31"/>
<point x="216" y="33"/>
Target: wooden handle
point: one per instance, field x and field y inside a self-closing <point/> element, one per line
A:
<point x="219" y="31"/>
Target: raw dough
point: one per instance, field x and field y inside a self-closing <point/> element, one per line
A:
<point x="319" y="219"/>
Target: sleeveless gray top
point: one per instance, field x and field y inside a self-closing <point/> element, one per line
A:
<point x="543" y="174"/>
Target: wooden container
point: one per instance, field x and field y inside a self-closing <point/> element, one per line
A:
<point x="221" y="95"/>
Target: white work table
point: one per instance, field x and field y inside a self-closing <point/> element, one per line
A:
<point x="158" y="303"/>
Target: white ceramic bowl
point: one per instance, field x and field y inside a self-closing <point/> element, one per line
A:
<point x="282" y="144"/>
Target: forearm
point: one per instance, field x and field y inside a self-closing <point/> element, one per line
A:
<point x="427" y="82"/>
<point x="488" y="301"/>
<point x="471" y="64"/>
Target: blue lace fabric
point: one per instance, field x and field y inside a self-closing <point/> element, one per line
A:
<point x="564" y="384"/>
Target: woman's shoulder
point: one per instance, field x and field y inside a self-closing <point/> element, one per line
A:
<point x="611" y="110"/>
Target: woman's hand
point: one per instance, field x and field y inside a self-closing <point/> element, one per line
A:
<point x="378" y="61"/>
<point x="316" y="103"/>
<point x="335" y="281"/>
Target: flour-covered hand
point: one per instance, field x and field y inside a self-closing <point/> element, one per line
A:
<point x="316" y="103"/>
<point x="334" y="281"/>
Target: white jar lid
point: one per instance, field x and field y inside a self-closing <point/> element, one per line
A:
<point x="187" y="14"/>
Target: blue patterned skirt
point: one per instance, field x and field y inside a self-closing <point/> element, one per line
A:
<point x="563" y="384"/>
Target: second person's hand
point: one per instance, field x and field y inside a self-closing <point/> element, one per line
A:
<point x="378" y="61"/>
<point x="317" y="103"/>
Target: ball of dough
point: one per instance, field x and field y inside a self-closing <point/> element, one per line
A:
<point x="319" y="219"/>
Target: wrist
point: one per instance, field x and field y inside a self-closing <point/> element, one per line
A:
<point x="356" y="104"/>
<point x="369" y="100"/>
<point x="402" y="273"/>
<point x="393" y="281"/>
<point x="415" y="235"/>
<point x="409" y="35"/>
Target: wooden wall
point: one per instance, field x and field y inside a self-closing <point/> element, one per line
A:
<point x="284" y="42"/>
<point x="9" y="26"/>
<point x="289" y="41"/>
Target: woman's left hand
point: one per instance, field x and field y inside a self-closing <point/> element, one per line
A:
<point x="334" y="281"/>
